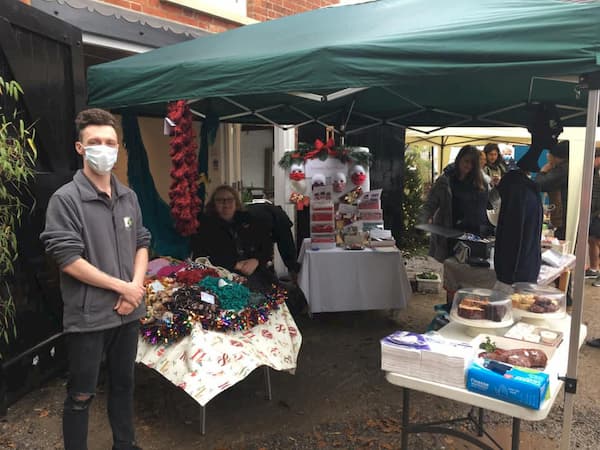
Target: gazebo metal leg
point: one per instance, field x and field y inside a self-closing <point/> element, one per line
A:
<point x="267" y="382"/>
<point x="516" y="434"/>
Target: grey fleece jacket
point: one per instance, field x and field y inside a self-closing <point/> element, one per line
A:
<point x="82" y="222"/>
<point x="438" y="208"/>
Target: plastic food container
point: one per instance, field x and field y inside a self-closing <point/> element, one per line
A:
<point x="538" y="302"/>
<point x="483" y="308"/>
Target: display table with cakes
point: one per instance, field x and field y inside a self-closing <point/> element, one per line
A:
<point x="502" y="352"/>
<point x="337" y="279"/>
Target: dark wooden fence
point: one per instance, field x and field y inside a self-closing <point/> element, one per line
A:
<point x="45" y="56"/>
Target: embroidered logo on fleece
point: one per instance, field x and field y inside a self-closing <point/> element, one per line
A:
<point x="128" y="221"/>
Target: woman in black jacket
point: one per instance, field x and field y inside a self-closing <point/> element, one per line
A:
<point x="457" y="199"/>
<point x="233" y="239"/>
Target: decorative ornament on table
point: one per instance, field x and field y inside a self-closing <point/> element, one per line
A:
<point x="318" y="179"/>
<point x="358" y="175"/>
<point x="339" y="182"/>
<point x="300" y="200"/>
<point x="352" y="197"/>
<point x="298" y="178"/>
<point x="172" y="319"/>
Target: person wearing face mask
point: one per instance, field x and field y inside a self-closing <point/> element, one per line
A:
<point x="94" y="232"/>
<point x="457" y="199"/>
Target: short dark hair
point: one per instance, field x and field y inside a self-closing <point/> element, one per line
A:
<point x="93" y="116"/>
<point x="560" y="150"/>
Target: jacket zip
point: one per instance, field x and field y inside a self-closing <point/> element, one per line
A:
<point x="112" y="210"/>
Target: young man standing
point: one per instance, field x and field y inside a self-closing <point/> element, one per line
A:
<point x="94" y="232"/>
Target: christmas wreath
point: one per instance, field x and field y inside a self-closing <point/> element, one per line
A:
<point x="183" y="192"/>
<point x="323" y="150"/>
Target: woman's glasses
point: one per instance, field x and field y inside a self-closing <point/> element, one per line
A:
<point x="224" y="201"/>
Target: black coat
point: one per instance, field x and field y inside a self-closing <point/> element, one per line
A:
<point x="517" y="254"/>
<point x="226" y="243"/>
<point x="279" y="224"/>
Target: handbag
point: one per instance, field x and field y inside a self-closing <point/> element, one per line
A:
<point x="462" y="252"/>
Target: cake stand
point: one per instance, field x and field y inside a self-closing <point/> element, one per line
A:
<point x="476" y="327"/>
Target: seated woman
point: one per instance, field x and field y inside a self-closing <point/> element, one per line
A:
<point x="457" y="199"/>
<point x="232" y="239"/>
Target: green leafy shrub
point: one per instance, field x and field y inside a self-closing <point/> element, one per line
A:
<point x="17" y="159"/>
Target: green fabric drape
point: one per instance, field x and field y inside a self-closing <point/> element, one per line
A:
<point x="155" y="211"/>
<point x="208" y="133"/>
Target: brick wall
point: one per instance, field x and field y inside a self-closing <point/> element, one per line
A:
<point x="272" y="9"/>
<point x="176" y="13"/>
<point x="257" y="9"/>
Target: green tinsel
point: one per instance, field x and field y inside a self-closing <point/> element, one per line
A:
<point x="231" y="296"/>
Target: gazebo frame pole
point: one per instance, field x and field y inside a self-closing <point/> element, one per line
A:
<point x="580" y="252"/>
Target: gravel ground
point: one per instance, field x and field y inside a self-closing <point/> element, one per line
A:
<point x="338" y="398"/>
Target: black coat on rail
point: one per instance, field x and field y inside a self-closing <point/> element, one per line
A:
<point x="517" y="254"/>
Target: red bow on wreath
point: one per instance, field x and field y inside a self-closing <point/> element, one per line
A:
<point x="320" y="146"/>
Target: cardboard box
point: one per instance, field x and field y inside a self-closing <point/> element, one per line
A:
<point x="525" y="387"/>
<point x="562" y="247"/>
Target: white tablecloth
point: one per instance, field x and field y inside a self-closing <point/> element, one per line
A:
<point x="205" y="363"/>
<point x="353" y="280"/>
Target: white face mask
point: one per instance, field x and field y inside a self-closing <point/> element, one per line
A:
<point x="101" y="158"/>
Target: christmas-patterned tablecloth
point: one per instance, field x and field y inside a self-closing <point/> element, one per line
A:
<point x="205" y="363"/>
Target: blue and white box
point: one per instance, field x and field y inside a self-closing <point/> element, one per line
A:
<point x="525" y="387"/>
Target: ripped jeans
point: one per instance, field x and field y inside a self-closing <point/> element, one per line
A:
<point x="85" y="351"/>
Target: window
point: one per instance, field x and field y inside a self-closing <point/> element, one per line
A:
<point x="234" y="6"/>
<point x="232" y="10"/>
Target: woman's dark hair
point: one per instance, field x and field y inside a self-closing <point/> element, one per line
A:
<point x="210" y="205"/>
<point x="490" y="147"/>
<point x="469" y="152"/>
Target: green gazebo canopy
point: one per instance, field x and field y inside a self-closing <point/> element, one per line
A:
<point x="402" y="62"/>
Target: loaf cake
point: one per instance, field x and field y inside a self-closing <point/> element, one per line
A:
<point x="481" y="309"/>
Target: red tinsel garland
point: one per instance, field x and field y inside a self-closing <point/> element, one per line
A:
<point x="193" y="276"/>
<point x="183" y="192"/>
